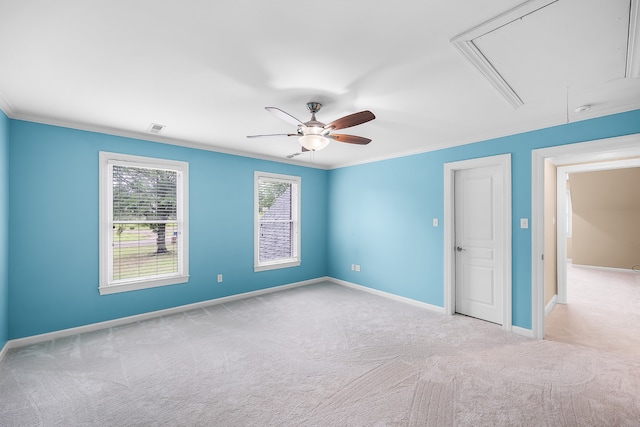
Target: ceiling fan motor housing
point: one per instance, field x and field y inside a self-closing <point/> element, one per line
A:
<point x="314" y="107"/>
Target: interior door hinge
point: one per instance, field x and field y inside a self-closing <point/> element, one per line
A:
<point x="543" y="257"/>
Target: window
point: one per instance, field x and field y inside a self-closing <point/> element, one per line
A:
<point x="277" y="221"/>
<point x="143" y="222"/>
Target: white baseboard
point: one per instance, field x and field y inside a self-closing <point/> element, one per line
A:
<point x="388" y="295"/>
<point x="34" y="339"/>
<point x="4" y="351"/>
<point x="522" y="331"/>
<point x="549" y="307"/>
<point x="597" y="267"/>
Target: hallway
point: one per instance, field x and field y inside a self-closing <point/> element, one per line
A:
<point x="603" y="311"/>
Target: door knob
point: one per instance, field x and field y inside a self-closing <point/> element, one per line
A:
<point x="459" y="248"/>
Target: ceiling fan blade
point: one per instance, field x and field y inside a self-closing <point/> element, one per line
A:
<point x="283" y="116"/>
<point x="351" y="120"/>
<point x="350" y="139"/>
<point x="271" y="135"/>
<point x="302" y="151"/>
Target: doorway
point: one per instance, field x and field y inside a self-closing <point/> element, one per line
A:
<point x="478" y="238"/>
<point x="604" y="150"/>
<point x="562" y="202"/>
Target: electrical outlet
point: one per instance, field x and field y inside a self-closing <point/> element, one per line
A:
<point x="357" y="267"/>
<point x="219" y="278"/>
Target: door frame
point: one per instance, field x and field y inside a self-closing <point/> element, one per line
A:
<point x="561" y="177"/>
<point x="600" y="150"/>
<point x="504" y="161"/>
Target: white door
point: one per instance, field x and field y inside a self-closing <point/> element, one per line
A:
<point x="479" y="210"/>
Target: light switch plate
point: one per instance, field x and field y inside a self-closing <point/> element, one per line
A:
<point x="524" y="222"/>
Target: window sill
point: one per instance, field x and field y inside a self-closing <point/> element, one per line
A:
<point x="276" y="265"/>
<point x="146" y="284"/>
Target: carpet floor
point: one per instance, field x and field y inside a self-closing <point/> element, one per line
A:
<point x="319" y="355"/>
<point x="602" y="311"/>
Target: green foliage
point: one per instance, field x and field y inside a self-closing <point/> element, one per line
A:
<point x="142" y="194"/>
<point x="268" y="193"/>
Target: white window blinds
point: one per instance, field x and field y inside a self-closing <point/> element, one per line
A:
<point x="143" y="205"/>
<point x="145" y="229"/>
<point x="277" y="223"/>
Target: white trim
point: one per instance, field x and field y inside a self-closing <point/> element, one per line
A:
<point x="552" y="303"/>
<point x="106" y="285"/>
<point x="477" y="137"/>
<point x="464" y="43"/>
<point x="504" y="161"/>
<point x="609" y="269"/>
<point x="633" y="44"/>
<point x="296" y="195"/>
<point x="590" y="151"/>
<point x="145" y="136"/>
<point x="137" y="285"/>
<point x="561" y="236"/>
<point x="522" y="331"/>
<point x="388" y="295"/>
<point x="537" y="245"/>
<point x="6" y="107"/>
<point x="35" y="339"/>
<point x="5" y="350"/>
<point x="502" y="132"/>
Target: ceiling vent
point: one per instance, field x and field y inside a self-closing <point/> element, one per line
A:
<point x="155" y="128"/>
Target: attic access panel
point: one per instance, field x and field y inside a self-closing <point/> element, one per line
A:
<point x="543" y="48"/>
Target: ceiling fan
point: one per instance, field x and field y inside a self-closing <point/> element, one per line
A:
<point x="314" y="135"/>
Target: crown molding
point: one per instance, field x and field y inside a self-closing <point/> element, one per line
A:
<point x="156" y="138"/>
<point x="6" y="107"/>
<point x="478" y="137"/>
<point x="501" y="133"/>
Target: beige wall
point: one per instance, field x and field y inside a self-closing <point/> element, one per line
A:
<point x="606" y="218"/>
<point x="550" y="233"/>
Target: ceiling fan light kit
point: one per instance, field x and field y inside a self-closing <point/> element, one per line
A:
<point x="314" y="135"/>
<point x="313" y="142"/>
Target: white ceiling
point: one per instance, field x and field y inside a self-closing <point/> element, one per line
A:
<point x="206" y="69"/>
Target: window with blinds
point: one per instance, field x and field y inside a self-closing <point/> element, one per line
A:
<point x="277" y="221"/>
<point x="143" y="223"/>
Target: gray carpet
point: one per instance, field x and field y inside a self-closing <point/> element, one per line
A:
<point x="320" y="355"/>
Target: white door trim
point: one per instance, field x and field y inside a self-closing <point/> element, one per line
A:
<point x="591" y="151"/>
<point x="504" y="161"/>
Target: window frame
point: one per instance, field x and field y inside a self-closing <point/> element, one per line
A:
<point x="106" y="284"/>
<point x="296" y="259"/>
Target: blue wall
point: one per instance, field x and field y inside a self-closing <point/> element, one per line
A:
<point x="53" y="195"/>
<point x="380" y="214"/>
<point x="4" y="229"/>
<point x="377" y="215"/>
